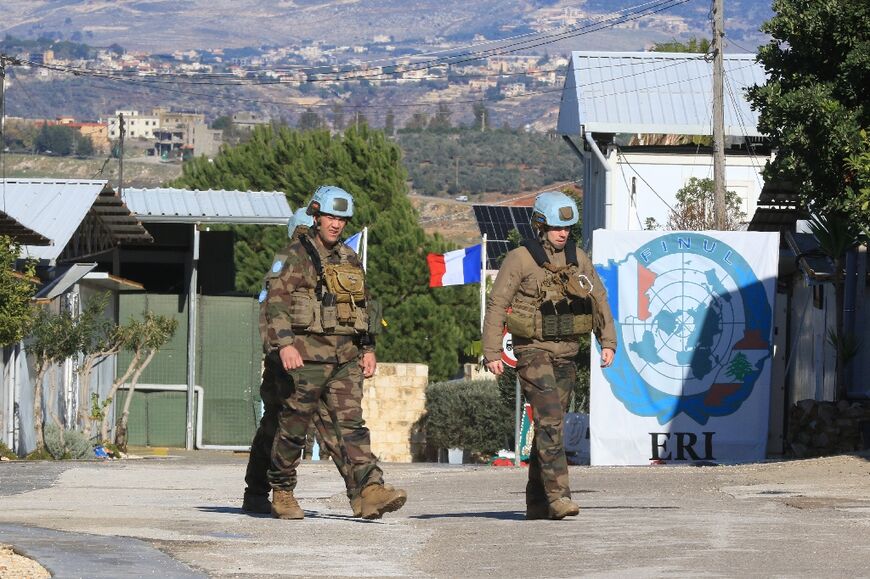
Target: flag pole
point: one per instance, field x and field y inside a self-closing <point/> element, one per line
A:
<point x="482" y="283"/>
<point x="365" y="247"/>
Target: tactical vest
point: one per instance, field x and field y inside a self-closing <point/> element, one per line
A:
<point x="562" y="309"/>
<point x="337" y="304"/>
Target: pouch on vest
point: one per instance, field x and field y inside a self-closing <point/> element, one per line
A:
<point x="346" y="281"/>
<point x="328" y="313"/>
<point x="301" y="310"/>
<point x="557" y="320"/>
<point x="521" y="320"/>
<point x="346" y="313"/>
<point x="582" y="310"/>
<point x="576" y="284"/>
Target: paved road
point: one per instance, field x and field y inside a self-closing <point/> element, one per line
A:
<point x="802" y="518"/>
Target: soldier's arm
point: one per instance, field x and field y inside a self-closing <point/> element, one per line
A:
<point x="508" y="280"/>
<point x="280" y="285"/>
<point x="602" y="318"/>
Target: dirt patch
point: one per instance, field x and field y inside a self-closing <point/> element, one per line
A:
<point x="14" y="565"/>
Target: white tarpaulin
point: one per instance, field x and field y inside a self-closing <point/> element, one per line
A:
<point x="694" y="321"/>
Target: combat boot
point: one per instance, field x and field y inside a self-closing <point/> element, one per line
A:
<point x="284" y="505"/>
<point x="256" y="503"/>
<point x="379" y="499"/>
<point x="537" y="511"/>
<point x="563" y="507"/>
<point x="356" y="501"/>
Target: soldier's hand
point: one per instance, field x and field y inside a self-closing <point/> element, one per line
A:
<point x="495" y="366"/>
<point x="290" y="358"/>
<point x="606" y="357"/>
<point x="369" y="364"/>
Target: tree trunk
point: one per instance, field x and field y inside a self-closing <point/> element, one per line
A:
<point x="104" y="425"/>
<point x="121" y="431"/>
<point x="37" y="406"/>
<point x="84" y="389"/>
<point x="52" y="397"/>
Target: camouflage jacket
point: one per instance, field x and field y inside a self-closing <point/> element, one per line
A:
<point x="520" y="274"/>
<point x="292" y="270"/>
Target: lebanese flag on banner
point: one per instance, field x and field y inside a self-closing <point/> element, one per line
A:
<point x="455" y="267"/>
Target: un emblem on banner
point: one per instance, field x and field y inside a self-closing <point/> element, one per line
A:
<point x="693" y="324"/>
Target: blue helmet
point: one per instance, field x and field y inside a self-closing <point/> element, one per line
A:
<point x="332" y="201"/>
<point x="300" y="218"/>
<point x="554" y="209"/>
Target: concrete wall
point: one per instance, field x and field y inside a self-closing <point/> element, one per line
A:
<point x="393" y="401"/>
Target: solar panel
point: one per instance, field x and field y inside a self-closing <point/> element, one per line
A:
<point x="497" y="221"/>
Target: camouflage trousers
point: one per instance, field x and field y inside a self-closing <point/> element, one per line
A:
<point x="547" y="383"/>
<point x="275" y="388"/>
<point x="340" y="387"/>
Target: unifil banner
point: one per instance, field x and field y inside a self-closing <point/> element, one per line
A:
<point x="690" y="381"/>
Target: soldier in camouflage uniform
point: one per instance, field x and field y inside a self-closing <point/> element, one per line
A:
<point x="321" y="321"/>
<point x="275" y="387"/>
<point x="554" y="296"/>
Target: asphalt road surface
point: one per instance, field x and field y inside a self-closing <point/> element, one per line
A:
<point x="180" y="516"/>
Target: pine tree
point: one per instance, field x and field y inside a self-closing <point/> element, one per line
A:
<point x="430" y="326"/>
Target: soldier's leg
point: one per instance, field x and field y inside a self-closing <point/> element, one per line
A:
<point x="344" y="396"/>
<point x="331" y="439"/>
<point x="274" y="388"/>
<point x="548" y="467"/>
<point x="294" y="419"/>
<point x="565" y="373"/>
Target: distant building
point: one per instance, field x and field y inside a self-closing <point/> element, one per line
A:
<point x="247" y="121"/>
<point x="136" y="125"/>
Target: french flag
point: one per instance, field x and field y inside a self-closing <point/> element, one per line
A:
<point x="455" y="267"/>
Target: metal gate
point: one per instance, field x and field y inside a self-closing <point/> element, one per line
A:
<point x="228" y="358"/>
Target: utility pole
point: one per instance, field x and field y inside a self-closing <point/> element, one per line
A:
<point x="121" y="131"/>
<point x="2" y="104"/>
<point x="718" y="117"/>
<point x="4" y="61"/>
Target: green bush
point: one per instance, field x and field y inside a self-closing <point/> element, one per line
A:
<point x="6" y="452"/>
<point x="65" y="444"/>
<point x="467" y="414"/>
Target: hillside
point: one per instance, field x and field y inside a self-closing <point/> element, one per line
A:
<point x="142" y="172"/>
<point x="163" y="25"/>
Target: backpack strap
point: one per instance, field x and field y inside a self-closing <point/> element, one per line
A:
<point x="571" y="253"/>
<point x="305" y="240"/>
<point x="536" y="249"/>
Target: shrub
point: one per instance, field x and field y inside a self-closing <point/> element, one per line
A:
<point x="467" y="414"/>
<point x="64" y="444"/>
<point x="6" y="452"/>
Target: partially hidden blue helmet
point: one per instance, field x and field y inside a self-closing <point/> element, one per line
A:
<point x="554" y="209"/>
<point x="300" y="218"/>
<point x="332" y="201"/>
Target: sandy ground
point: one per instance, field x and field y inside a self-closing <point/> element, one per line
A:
<point x="807" y="518"/>
<point x="14" y="565"/>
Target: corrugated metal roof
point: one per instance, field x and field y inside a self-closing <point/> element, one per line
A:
<point x="655" y="92"/>
<point x="190" y="206"/>
<point x="19" y="233"/>
<point x="52" y="207"/>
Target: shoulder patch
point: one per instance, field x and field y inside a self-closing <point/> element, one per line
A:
<point x="277" y="266"/>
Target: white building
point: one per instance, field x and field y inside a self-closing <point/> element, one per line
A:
<point x="612" y="101"/>
<point x="136" y="125"/>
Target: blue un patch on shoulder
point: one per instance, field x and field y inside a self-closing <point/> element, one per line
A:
<point x="276" y="267"/>
<point x="262" y="297"/>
